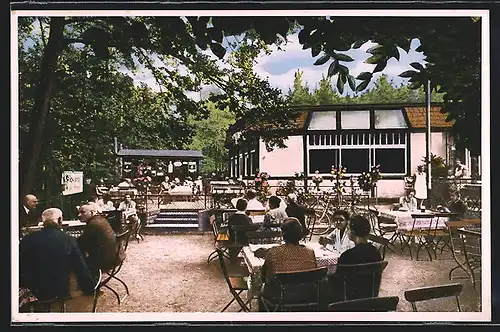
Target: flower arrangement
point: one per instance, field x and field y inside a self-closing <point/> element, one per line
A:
<point x="142" y="183"/>
<point x="368" y="180"/>
<point x="317" y="179"/>
<point x="262" y="186"/>
<point x="337" y="175"/>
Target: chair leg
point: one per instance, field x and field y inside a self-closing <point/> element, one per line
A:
<point x="114" y="292"/>
<point x="124" y="285"/>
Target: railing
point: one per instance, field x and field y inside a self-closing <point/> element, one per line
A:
<point x="468" y="189"/>
<point x="67" y="204"/>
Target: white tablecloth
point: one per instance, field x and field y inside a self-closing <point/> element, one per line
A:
<point x="323" y="258"/>
<point x="404" y="220"/>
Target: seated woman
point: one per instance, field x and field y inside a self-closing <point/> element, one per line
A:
<point x="408" y="202"/>
<point x="287" y="257"/>
<point x="275" y="216"/>
<point x="339" y="237"/>
<point x="362" y="253"/>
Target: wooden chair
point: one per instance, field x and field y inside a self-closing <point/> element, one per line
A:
<point x="236" y="284"/>
<point x="122" y="241"/>
<point x="350" y="273"/>
<point x="440" y="234"/>
<point x="456" y="245"/>
<point x="433" y="292"/>
<point x="471" y="249"/>
<point x="383" y="243"/>
<point x="289" y="281"/>
<point x="264" y="237"/>
<point x="373" y="304"/>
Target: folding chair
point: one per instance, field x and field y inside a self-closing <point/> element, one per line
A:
<point x="471" y="249"/>
<point x="373" y="304"/>
<point x="382" y="242"/>
<point x="351" y="282"/>
<point x="386" y="226"/>
<point x="416" y="234"/>
<point x="433" y="292"/>
<point x="440" y="234"/>
<point x="264" y="237"/>
<point x="456" y="245"/>
<point x="122" y="244"/>
<point x="291" y="281"/>
<point x="236" y="284"/>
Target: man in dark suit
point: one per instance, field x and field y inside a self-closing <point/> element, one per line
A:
<point x="98" y="240"/>
<point x="294" y="209"/>
<point x="49" y="257"/>
<point x="239" y="218"/>
<point x="28" y="215"/>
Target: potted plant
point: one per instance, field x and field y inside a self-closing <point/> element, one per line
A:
<point x="317" y="179"/>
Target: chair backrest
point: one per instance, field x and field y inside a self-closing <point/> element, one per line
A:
<point x="59" y="305"/>
<point x="252" y="213"/>
<point x="374" y="304"/>
<point x="433" y="292"/>
<point x="471" y="245"/>
<point x="260" y="237"/>
<point x="292" y="280"/>
<point x="351" y="274"/>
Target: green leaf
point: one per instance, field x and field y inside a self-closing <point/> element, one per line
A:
<point x="365" y="76"/>
<point x="408" y="73"/>
<point x="417" y="66"/>
<point x="352" y="82"/>
<point x="377" y="49"/>
<point x="362" y="86"/>
<point x="343" y="70"/>
<point x="341" y="83"/>
<point x="218" y="50"/>
<point x="322" y="60"/>
<point x="333" y="68"/>
<point x="374" y="59"/>
<point x="416" y="85"/>
<point x="380" y="66"/>
<point x="315" y="50"/>
<point x="358" y="44"/>
<point x="419" y="49"/>
<point x="215" y="34"/>
<point x="342" y="57"/>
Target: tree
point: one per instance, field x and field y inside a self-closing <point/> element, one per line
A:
<point x="300" y="94"/>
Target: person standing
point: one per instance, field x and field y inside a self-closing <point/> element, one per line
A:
<point x="28" y="215"/>
<point x="420" y="186"/>
<point x="294" y="209"/>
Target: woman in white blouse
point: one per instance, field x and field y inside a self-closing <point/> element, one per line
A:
<point x="408" y="202"/>
<point x="339" y="238"/>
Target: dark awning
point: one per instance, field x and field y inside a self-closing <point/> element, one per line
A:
<point x="161" y="153"/>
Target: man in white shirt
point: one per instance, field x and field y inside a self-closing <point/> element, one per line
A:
<point x="253" y="202"/>
<point x="339" y="238"/>
<point x="128" y="206"/>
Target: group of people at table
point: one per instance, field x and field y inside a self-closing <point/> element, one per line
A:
<point x="54" y="264"/>
<point x="349" y="239"/>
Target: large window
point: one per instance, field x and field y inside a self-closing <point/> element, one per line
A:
<point x="391" y="160"/>
<point x="322" y="160"/>
<point x="355" y="160"/>
<point x="323" y="121"/>
<point x="388" y="119"/>
<point x="355" y="119"/>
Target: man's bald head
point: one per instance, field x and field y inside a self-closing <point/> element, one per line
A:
<point x="30" y="201"/>
<point x="52" y="217"/>
<point x="87" y="211"/>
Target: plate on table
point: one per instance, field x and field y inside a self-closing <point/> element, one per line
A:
<point x="254" y="247"/>
<point x="403" y="210"/>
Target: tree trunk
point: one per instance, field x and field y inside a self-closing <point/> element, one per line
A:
<point x="32" y="146"/>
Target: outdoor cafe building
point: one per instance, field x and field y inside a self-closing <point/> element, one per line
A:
<point x="354" y="136"/>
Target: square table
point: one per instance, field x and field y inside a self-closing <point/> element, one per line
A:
<point x="404" y="220"/>
<point x="324" y="257"/>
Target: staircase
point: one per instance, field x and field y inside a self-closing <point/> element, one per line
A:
<point x="174" y="221"/>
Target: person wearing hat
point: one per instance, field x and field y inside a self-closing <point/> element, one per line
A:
<point x="294" y="209"/>
<point x="287" y="257"/>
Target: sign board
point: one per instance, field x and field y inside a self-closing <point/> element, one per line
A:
<point x="72" y="182"/>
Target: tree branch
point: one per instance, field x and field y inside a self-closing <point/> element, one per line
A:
<point x="44" y="43"/>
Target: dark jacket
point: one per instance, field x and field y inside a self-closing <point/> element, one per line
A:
<point x="240" y="220"/>
<point x="46" y="259"/>
<point x="298" y="211"/>
<point x="28" y="219"/>
<point x="98" y="241"/>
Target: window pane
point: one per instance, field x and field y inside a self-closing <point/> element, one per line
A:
<point x="311" y="139"/>
<point x="390" y="160"/>
<point x="355" y="160"/>
<point x="389" y="119"/>
<point x="355" y="119"/>
<point x="322" y="160"/>
<point x="323" y="121"/>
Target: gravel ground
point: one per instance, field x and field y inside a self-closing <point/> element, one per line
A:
<point x="169" y="273"/>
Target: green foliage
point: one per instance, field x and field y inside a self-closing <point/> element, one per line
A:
<point x="439" y="168"/>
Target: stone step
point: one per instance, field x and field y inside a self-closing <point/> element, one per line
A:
<point x="172" y="228"/>
<point x="175" y="221"/>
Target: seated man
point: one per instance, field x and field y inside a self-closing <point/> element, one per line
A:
<point x="363" y="252"/>
<point x="294" y="209"/>
<point x="339" y="237"/>
<point x="98" y="240"/>
<point x="408" y="202"/>
<point x="241" y="219"/>
<point x="456" y="205"/>
<point x="128" y="205"/>
<point x="287" y="257"/>
<point x="275" y="215"/>
<point x="253" y="202"/>
<point x="50" y="258"/>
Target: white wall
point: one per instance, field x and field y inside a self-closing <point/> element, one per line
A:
<point x="282" y="162"/>
<point x="417" y="141"/>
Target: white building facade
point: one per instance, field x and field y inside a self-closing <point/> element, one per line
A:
<point x="354" y="136"/>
